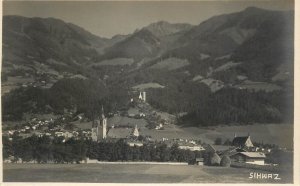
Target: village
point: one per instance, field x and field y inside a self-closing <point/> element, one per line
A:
<point x="136" y="134"/>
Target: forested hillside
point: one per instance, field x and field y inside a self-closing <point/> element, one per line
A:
<point x="230" y="69"/>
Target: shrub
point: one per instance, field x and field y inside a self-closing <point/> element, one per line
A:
<point x="215" y="159"/>
<point x="225" y="161"/>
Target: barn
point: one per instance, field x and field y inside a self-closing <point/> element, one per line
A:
<point x="257" y="158"/>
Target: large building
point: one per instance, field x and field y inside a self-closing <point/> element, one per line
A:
<point x="99" y="128"/>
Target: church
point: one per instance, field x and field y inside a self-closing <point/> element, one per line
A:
<point x="242" y="141"/>
<point x="99" y="127"/>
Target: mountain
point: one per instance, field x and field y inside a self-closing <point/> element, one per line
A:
<point x="39" y="51"/>
<point x="254" y="39"/>
<point x="220" y="71"/>
<point x="139" y="45"/>
<point x="147" y="42"/>
<point x="46" y="41"/>
<point x="163" y="28"/>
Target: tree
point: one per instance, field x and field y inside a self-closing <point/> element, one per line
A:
<point x="218" y="141"/>
<point x="227" y="142"/>
<point x="225" y="161"/>
<point x="215" y="159"/>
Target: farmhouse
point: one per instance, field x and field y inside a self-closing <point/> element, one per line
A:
<point x="257" y="158"/>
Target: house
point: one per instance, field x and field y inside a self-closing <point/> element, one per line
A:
<point x="58" y="134"/>
<point x="68" y="134"/>
<point x="190" y="146"/>
<point x="135" y="143"/>
<point x="257" y="158"/>
<point x="199" y="161"/>
<point x="242" y="142"/>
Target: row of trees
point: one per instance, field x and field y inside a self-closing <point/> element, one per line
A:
<point x="44" y="149"/>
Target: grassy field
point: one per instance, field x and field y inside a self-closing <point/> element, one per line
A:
<point x="116" y="61"/>
<point x="99" y="173"/>
<point x="280" y="134"/>
<point x="171" y="64"/>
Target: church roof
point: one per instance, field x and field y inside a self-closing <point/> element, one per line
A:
<point x="253" y="154"/>
<point x="239" y="141"/>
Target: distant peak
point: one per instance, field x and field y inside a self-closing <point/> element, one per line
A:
<point x="254" y="9"/>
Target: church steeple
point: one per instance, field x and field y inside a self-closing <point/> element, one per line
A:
<point x="135" y="132"/>
<point x="104" y="124"/>
<point x="102" y="113"/>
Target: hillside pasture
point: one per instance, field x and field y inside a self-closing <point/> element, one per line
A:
<point x="116" y="61"/>
<point x="226" y="66"/>
<point x="126" y="121"/>
<point x="171" y="64"/>
<point x="257" y="86"/>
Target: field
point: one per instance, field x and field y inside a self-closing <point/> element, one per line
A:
<point x="280" y="134"/>
<point x="258" y="86"/>
<point x="101" y="173"/>
<point x="171" y="64"/>
<point x="116" y="61"/>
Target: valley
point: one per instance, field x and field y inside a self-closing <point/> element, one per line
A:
<point x="208" y="71"/>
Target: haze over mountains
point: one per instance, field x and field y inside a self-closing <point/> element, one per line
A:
<point x="245" y="53"/>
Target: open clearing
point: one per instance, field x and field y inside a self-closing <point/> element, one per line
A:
<point x="116" y="61"/>
<point x="101" y="173"/>
<point x="171" y="64"/>
<point x="280" y="134"/>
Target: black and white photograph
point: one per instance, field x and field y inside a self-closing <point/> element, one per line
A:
<point x="148" y="92"/>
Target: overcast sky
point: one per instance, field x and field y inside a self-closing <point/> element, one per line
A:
<point x="110" y="18"/>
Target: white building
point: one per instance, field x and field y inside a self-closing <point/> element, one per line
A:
<point x="257" y="158"/>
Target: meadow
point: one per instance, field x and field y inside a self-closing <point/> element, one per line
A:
<point x="102" y="173"/>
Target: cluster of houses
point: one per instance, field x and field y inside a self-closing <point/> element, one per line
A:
<point x="241" y="150"/>
<point x="40" y="127"/>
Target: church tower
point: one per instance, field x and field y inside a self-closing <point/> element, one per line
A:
<point x="144" y="96"/>
<point x="140" y="96"/>
<point x="99" y="127"/>
<point x="104" y="124"/>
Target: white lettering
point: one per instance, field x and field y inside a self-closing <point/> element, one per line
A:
<point x="276" y="177"/>
<point x="251" y="175"/>
<point x="258" y="175"/>
<point x="270" y="176"/>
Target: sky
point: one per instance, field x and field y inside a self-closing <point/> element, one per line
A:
<point x="107" y="19"/>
